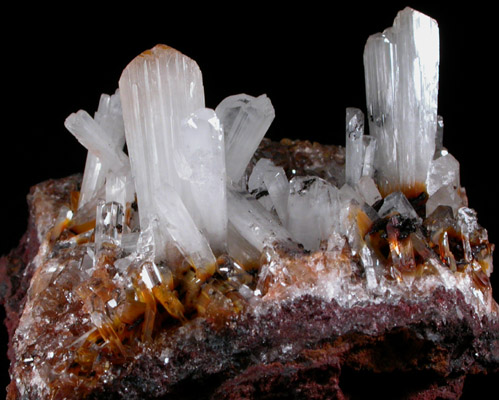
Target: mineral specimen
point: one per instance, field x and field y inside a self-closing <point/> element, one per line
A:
<point x="207" y="261"/>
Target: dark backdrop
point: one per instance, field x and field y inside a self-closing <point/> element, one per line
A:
<point x="307" y="58"/>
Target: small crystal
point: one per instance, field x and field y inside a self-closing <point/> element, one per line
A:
<point x="397" y="203"/>
<point x="253" y="222"/>
<point x="355" y="218"/>
<point x="119" y="188"/>
<point x="368" y="190"/>
<point x="443" y="171"/>
<point x="446" y="195"/>
<point x="354" y="145"/>
<point x="369" y="144"/>
<point x="440" y="150"/>
<point x="239" y="248"/>
<point x="177" y="227"/>
<point x="269" y="184"/>
<point x="468" y="224"/>
<point x="108" y="225"/>
<point x="313" y="210"/>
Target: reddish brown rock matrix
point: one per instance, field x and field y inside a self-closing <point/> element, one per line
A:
<point x="302" y="348"/>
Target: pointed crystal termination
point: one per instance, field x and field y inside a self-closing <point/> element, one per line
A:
<point x="443" y="171"/>
<point x="201" y="168"/>
<point x="401" y="72"/>
<point x="245" y="120"/>
<point x="158" y="88"/>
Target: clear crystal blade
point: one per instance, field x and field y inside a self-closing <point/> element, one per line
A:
<point x="354" y="145"/>
<point x="108" y="226"/>
<point x="369" y="153"/>
<point x="201" y="167"/>
<point x="368" y="190"/>
<point x="245" y="120"/>
<point x="110" y="119"/>
<point x="253" y="222"/>
<point x="269" y="184"/>
<point x="93" y="179"/>
<point x="177" y="226"/>
<point x="158" y="89"/>
<point x="401" y="72"/>
<point x="446" y="195"/>
<point x="92" y="136"/>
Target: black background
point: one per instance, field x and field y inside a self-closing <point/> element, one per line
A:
<point x="306" y="57"/>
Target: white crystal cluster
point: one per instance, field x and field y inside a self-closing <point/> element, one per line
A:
<point x="185" y="164"/>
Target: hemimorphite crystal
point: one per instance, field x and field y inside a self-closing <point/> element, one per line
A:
<point x="397" y="203"/>
<point x="109" y="225"/>
<point x="354" y="145"/>
<point x="313" y="207"/>
<point x="245" y="119"/>
<point x="253" y="222"/>
<point x="443" y="171"/>
<point x="175" y="154"/>
<point x="109" y="117"/>
<point x="401" y="73"/>
<point x="159" y="88"/>
<point x="269" y="184"/>
<point x="92" y="136"/>
<point x="201" y="169"/>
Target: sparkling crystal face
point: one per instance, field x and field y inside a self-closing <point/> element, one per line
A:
<point x="203" y="218"/>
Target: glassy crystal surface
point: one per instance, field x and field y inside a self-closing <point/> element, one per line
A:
<point x="313" y="208"/>
<point x="92" y="136"/>
<point x="367" y="188"/>
<point x="354" y="145"/>
<point x="245" y="120"/>
<point x="109" y="117"/>
<point x="202" y="173"/>
<point x="397" y="203"/>
<point x="269" y="184"/>
<point x="253" y="222"/>
<point x="158" y="89"/>
<point x="443" y="171"/>
<point x="401" y="73"/>
<point x="109" y="225"/>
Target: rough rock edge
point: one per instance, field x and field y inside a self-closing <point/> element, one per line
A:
<point x="310" y="348"/>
